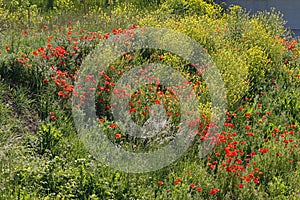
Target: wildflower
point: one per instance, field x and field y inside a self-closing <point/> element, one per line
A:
<point x="223" y="164"/>
<point x="264" y="150"/>
<point x="192" y="186"/>
<point x="7" y="48"/>
<point x="63" y="95"/>
<point x="213" y="191"/>
<point x="118" y="135"/>
<point x="199" y="189"/>
<point x="20" y="61"/>
<point x="248" y="115"/>
<point x="241" y="185"/>
<point x="246" y="178"/>
<point x="160" y="57"/>
<point x="259" y="105"/>
<point x="53" y="118"/>
<point x="115" y="31"/>
<point x="24" y="32"/>
<point x="276" y="130"/>
<point x="132" y="110"/>
<point x="113" y="125"/>
<point x="35" y="53"/>
<point x="160" y="182"/>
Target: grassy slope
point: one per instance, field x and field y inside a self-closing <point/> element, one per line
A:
<point x="66" y="169"/>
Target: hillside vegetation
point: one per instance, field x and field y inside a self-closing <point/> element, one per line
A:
<point x="43" y="55"/>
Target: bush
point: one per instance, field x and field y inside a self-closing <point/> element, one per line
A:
<point x="245" y="51"/>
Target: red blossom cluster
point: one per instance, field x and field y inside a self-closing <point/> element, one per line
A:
<point x="61" y="80"/>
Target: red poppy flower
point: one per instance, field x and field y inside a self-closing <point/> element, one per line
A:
<point x="176" y="182"/>
<point x="213" y="191"/>
<point x="118" y="135"/>
<point x="179" y="179"/>
<point x="160" y="182"/>
<point x="259" y="105"/>
<point x="248" y="115"/>
<point x="246" y="178"/>
<point x="35" y="53"/>
<point x="264" y="150"/>
<point x="63" y="95"/>
<point x="113" y="125"/>
<point x="160" y="57"/>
